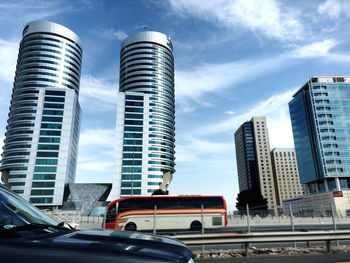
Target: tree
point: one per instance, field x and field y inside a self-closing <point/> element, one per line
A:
<point x="254" y="200"/>
<point x="160" y="192"/>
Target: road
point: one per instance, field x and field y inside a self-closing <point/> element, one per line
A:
<point x="325" y="258"/>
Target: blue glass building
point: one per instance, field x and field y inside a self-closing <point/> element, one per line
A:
<point x="320" y="115"/>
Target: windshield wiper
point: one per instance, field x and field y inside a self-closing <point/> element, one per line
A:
<point x="34" y="226"/>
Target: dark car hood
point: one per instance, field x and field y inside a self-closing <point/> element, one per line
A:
<point x="95" y="246"/>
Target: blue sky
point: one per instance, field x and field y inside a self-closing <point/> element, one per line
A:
<point x="234" y="59"/>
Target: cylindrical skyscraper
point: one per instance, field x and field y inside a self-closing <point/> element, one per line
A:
<point x="40" y="151"/>
<point x="145" y="116"/>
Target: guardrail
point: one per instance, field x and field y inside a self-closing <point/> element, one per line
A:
<point x="270" y="237"/>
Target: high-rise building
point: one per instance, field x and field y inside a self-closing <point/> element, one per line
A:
<point x="41" y="141"/>
<point x="254" y="161"/>
<point x="145" y="116"/>
<point x="286" y="175"/>
<point x="320" y="114"/>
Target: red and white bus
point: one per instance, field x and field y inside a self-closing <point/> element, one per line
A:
<point x="171" y="212"/>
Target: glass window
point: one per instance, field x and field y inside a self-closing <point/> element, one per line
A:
<point x="45" y="169"/>
<point x="49" y="139"/>
<point x="133" y="97"/>
<point x="53" y="106"/>
<point x="344" y="183"/>
<point x="48" y="146"/>
<point x="111" y="214"/>
<point x="130" y="184"/>
<point x="131" y="176"/>
<point x="17" y="176"/>
<point x="51" y="126"/>
<point x="41" y="192"/>
<point x="17" y="183"/>
<point x="52" y="119"/>
<point x="52" y="112"/>
<point x="54" y="99"/>
<point x="43" y="184"/>
<point x="41" y="200"/>
<point x="46" y="161"/>
<point x="52" y="133"/>
<point x="55" y="93"/>
<point x="44" y="177"/>
<point x="47" y="154"/>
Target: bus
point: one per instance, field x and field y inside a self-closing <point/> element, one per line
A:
<point x="169" y="212"/>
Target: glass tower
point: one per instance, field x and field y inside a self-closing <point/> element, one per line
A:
<point x="320" y="115"/>
<point x="145" y="116"/>
<point x="41" y="141"/>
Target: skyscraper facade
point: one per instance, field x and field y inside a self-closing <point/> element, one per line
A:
<point x="254" y="161"/>
<point x="320" y="115"/>
<point x="41" y="141"/>
<point x="286" y="175"/>
<point x="145" y="116"/>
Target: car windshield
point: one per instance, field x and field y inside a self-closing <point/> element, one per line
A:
<point x="15" y="211"/>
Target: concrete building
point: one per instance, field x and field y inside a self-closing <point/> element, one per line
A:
<point x="254" y="160"/>
<point x="286" y="175"/>
<point x="145" y="128"/>
<point x="320" y="114"/>
<point x="41" y="141"/>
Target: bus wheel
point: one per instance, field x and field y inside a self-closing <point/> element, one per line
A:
<point x="196" y="226"/>
<point x="130" y="227"/>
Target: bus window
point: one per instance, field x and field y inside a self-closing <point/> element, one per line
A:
<point x="110" y="217"/>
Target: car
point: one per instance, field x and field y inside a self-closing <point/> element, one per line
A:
<point x="29" y="235"/>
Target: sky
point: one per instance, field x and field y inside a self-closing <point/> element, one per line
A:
<point x="234" y="59"/>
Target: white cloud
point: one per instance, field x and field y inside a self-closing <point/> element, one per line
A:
<point x="334" y="8"/>
<point x="276" y="111"/>
<point x="206" y="78"/>
<point x="113" y="34"/>
<point x="316" y="49"/>
<point x="8" y="55"/>
<point x="23" y="11"/>
<point x="97" y="137"/>
<point x="96" y="166"/>
<point x="97" y="94"/>
<point x="259" y="16"/>
<point x="229" y="112"/>
<point x="213" y="77"/>
<point x="96" y="155"/>
<point x="192" y="149"/>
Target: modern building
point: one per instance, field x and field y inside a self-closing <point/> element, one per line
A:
<point x="87" y="198"/>
<point x="41" y="141"/>
<point x="286" y="175"/>
<point x="320" y="115"/>
<point x="254" y="161"/>
<point x="145" y="116"/>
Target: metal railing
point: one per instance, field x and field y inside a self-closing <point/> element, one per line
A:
<point x="268" y="237"/>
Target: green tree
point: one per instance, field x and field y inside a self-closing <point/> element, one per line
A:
<point x="160" y="192"/>
<point x="254" y="200"/>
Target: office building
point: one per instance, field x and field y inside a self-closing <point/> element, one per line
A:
<point x="41" y="141"/>
<point x="320" y="114"/>
<point x="145" y="116"/>
<point x="254" y="161"/>
<point x="286" y="175"/>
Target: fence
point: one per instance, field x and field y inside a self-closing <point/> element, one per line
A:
<point x="75" y="219"/>
<point x="235" y="221"/>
